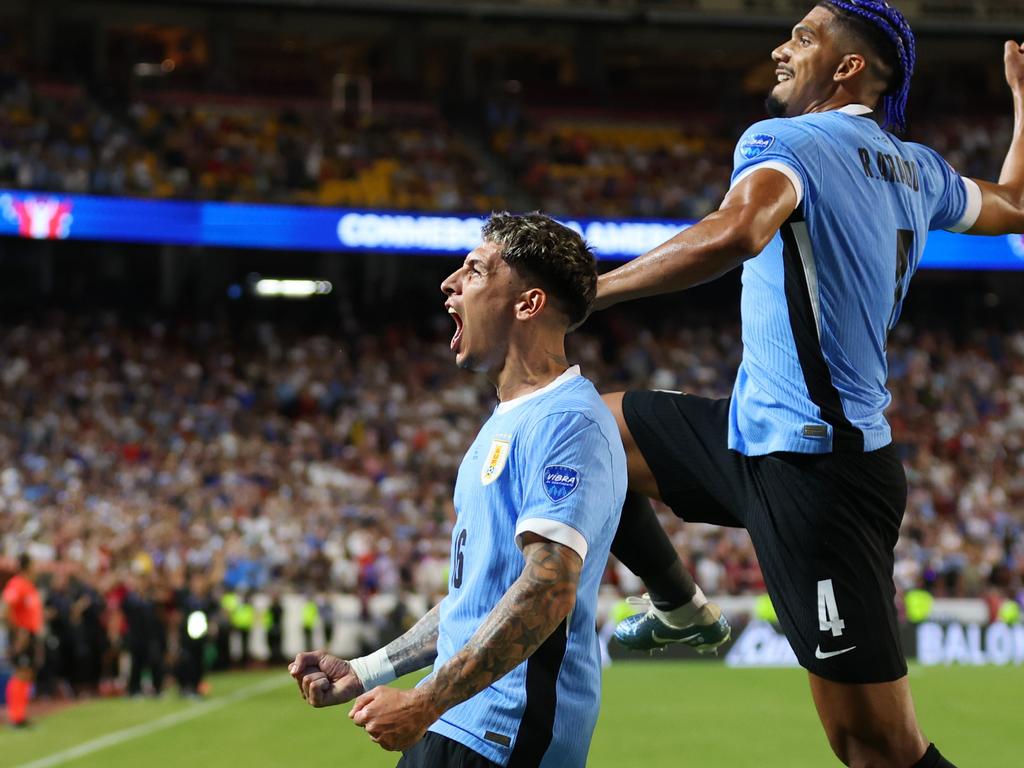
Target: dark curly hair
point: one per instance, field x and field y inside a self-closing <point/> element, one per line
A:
<point x="539" y="248"/>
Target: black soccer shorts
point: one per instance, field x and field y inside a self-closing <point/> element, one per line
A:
<point x="437" y="751"/>
<point x="25" y="651"/>
<point x="823" y="526"/>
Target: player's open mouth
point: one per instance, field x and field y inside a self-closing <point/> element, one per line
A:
<point x="457" y="337"/>
<point x="783" y="76"/>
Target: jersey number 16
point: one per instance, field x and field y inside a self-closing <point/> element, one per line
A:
<point x="457" y="559"/>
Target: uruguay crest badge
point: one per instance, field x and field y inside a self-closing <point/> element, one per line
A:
<point x="494" y="462"/>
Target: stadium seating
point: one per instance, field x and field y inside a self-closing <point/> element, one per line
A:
<point x="59" y="138"/>
<point x="149" y="450"/>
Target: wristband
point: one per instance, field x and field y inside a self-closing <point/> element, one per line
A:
<point x="373" y="670"/>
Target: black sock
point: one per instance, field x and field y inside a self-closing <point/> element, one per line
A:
<point x="642" y="545"/>
<point x="932" y="759"/>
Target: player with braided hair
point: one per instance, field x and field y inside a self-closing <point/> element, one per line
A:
<point x="828" y="213"/>
<point x="887" y="30"/>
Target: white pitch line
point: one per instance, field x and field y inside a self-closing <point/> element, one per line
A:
<point x="168" y="721"/>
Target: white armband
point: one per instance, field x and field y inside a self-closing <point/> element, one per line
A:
<point x="972" y="209"/>
<point x="373" y="670"/>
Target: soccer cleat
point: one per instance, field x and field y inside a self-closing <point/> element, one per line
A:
<point x="647" y="632"/>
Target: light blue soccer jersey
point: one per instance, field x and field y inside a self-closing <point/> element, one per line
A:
<point x="820" y="299"/>
<point x="550" y="462"/>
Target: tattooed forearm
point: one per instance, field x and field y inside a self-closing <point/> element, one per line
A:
<point x="417" y="648"/>
<point x="539" y="600"/>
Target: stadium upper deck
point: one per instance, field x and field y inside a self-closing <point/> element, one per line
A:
<point x="950" y="12"/>
<point x="404" y="156"/>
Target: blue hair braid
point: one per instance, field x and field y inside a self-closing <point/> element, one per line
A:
<point x="891" y="22"/>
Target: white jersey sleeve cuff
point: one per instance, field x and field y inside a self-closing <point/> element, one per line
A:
<point x="973" y="208"/>
<point x="555" y="531"/>
<point x="775" y="165"/>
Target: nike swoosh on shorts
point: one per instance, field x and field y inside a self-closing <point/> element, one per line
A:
<point x="823" y="655"/>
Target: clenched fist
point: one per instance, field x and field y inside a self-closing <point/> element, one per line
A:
<point x="325" y="680"/>
<point x="393" y="718"/>
<point x="1013" y="58"/>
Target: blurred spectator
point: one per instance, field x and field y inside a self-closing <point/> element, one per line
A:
<point x="145" y="636"/>
<point x="194" y="608"/>
<point x="23" y="614"/>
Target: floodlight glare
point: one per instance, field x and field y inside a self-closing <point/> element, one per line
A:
<point x="292" y="289"/>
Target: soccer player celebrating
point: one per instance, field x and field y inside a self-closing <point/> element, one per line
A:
<point x="516" y="663"/>
<point x="25" y="622"/>
<point x="830" y="212"/>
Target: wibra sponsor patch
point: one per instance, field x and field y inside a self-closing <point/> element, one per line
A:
<point x="560" y="481"/>
<point x="757" y="144"/>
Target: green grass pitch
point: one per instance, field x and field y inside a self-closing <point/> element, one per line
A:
<point x="653" y="714"/>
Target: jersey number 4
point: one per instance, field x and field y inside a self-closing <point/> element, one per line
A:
<point x="828" y="613"/>
<point x="457" y="561"/>
<point x="904" y="247"/>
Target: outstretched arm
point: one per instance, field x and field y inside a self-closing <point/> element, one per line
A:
<point x="745" y="223"/>
<point x="1002" y="204"/>
<point x="326" y="680"/>
<point x="532" y="608"/>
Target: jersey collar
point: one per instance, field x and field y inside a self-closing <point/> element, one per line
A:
<point x="855" y="109"/>
<point x="507" y="405"/>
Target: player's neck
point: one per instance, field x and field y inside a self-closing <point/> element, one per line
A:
<point x="530" y="368"/>
<point x="834" y="102"/>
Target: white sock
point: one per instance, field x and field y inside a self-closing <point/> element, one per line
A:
<point x="686" y="614"/>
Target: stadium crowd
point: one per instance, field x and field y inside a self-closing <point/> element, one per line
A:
<point x="320" y="463"/>
<point x="59" y="138"/>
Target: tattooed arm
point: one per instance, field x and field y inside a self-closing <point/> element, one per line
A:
<point x="539" y="600"/>
<point x="325" y="680"/>
<point x="417" y="648"/>
<point x="532" y="608"/>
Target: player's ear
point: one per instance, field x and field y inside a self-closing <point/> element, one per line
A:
<point x="530" y="303"/>
<point x="851" y="65"/>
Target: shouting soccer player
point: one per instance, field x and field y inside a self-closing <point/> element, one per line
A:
<point x="516" y="662"/>
<point x="832" y="212"/>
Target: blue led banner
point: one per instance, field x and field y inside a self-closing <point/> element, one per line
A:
<point x="44" y="215"/>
